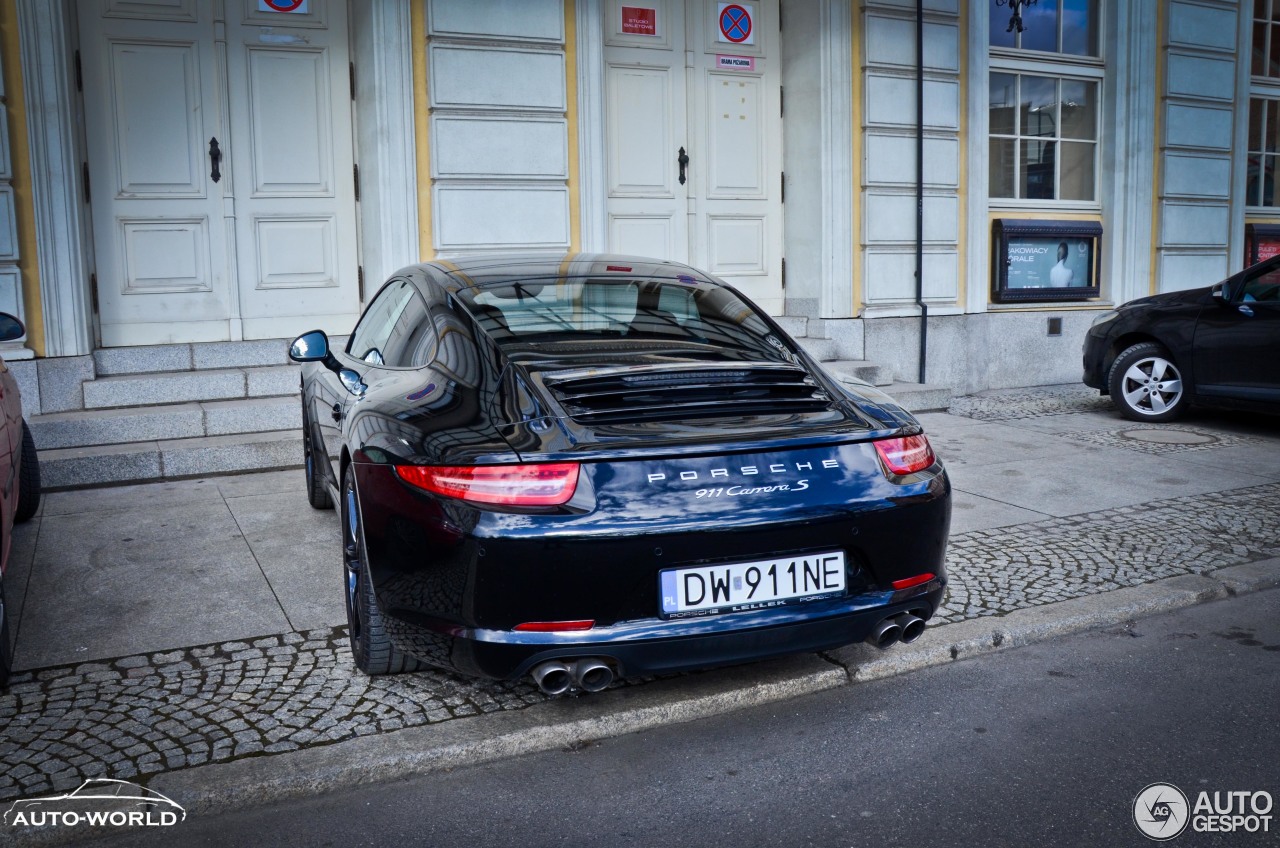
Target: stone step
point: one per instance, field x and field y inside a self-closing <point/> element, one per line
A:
<point x="823" y="350"/>
<point x="138" y="462"/>
<point x="795" y="325"/>
<point x="862" y="369"/>
<point x="920" y="397"/>
<point x="167" y="422"/>
<point x="190" y="357"/>
<point x="151" y="388"/>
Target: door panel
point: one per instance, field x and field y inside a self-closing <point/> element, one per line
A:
<point x="294" y="184"/>
<point x="158" y="240"/>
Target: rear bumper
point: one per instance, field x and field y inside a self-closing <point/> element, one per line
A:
<point x="660" y="647"/>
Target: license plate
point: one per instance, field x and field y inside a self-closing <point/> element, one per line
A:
<point x="737" y="586"/>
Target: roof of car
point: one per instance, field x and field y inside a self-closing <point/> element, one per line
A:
<point x="490" y="270"/>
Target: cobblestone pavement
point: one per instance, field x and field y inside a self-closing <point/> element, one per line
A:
<point x="140" y="715"/>
<point x="1030" y="403"/>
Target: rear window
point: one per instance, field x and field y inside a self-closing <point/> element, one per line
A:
<point x="660" y="311"/>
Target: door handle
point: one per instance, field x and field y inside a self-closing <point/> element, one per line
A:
<point x="337" y="412"/>
<point x="1246" y="310"/>
<point x="683" y="161"/>
<point x="215" y="160"/>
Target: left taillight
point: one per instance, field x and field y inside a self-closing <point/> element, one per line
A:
<point x="547" y="484"/>
<point x="905" y="455"/>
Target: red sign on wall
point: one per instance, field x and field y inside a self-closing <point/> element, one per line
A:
<point x="637" y="20"/>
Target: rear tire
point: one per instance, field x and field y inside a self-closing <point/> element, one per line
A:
<point x="317" y="489"/>
<point x="1146" y="384"/>
<point x="370" y="646"/>
<point x="28" y="478"/>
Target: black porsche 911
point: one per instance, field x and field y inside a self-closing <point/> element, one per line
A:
<point x="604" y="466"/>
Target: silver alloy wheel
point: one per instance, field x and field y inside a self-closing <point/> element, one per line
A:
<point x="1151" y="386"/>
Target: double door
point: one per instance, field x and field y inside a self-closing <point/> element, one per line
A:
<point x="694" y="137"/>
<point x="219" y="147"/>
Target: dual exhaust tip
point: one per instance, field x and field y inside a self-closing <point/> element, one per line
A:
<point x="556" y="678"/>
<point x="904" y="628"/>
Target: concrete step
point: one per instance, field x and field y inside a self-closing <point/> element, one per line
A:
<point x="823" y="350"/>
<point x="137" y="462"/>
<point x="795" y="325"/>
<point x="165" y="387"/>
<point x="187" y="357"/>
<point x="862" y="369"/>
<point x="920" y="397"/>
<point x="167" y="422"/>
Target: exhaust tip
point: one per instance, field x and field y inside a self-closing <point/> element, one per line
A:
<point x="912" y="628"/>
<point x="592" y="675"/>
<point x="885" y="634"/>
<point x="553" y="678"/>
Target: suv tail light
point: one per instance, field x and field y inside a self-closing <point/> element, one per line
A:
<point x="905" y="455"/>
<point x="548" y="484"/>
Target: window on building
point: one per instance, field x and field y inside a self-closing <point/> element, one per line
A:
<point x="1264" y="133"/>
<point x="1266" y="38"/>
<point x="1045" y="86"/>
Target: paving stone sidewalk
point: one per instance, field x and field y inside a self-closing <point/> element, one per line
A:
<point x="140" y="715"/>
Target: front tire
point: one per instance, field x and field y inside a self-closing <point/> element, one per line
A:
<point x="1146" y="384"/>
<point x="370" y="646"/>
<point x="28" y="478"/>
<point x="317" y="488"/>
<point x="6" y="650"/>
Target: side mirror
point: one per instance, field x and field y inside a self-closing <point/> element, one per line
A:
<point x="10" y="328"/>
<point x="310" y="347"/>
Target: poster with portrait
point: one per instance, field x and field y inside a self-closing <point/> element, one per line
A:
<point x="1045" y="260"/>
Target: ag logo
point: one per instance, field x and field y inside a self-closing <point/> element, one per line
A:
<point x="1161" y="812"/>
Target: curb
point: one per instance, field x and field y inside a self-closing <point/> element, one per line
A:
<point x="568" y="722"/>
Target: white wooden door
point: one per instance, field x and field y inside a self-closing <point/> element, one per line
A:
<point x="645" y="95"/>
<point x="292" y="169"/>
<point x="675" y="80"/>
<point x="150" y="97"/>
<point x="268" y="248"/>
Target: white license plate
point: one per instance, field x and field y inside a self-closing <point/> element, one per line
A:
<point x="736" y="586"/>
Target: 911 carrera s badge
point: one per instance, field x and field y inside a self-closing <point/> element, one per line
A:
<point x="748" y="471"/>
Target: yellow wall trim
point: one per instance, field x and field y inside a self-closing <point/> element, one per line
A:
<point x="571" y="122"/>
<point x="20" y="153"/>
<point x="422" y="127"/>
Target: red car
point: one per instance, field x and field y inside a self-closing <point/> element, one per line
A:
<point x="19" y="476"/>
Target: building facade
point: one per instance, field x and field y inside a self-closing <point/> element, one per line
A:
<point x="178" y="171"/>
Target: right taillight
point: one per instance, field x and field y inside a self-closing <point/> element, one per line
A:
<point x="905" y="455"/>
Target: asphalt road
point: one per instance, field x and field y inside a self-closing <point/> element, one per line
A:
<point x="1047" y="745"/>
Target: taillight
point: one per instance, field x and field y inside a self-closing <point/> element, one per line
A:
<point x="918" y="580"/>
<point x="905" y="455"/>
<point x="509" y="485"/>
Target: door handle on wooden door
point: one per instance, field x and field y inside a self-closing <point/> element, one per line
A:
<point x="683" y="160"/>
<point x="215" y="159"/>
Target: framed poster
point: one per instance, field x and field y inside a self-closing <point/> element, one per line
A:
<point x="1044" y="260"/>
<point x="1261" y="241"/>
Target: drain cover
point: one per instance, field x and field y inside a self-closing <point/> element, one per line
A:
<point x="1169" y="437"/>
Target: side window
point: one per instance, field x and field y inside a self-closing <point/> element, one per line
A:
<point x="412" y="339"/>
<point x="1263" y="288"/>
<point x="371" y="335"/>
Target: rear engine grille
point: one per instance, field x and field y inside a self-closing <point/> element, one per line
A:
<point x="662" y="393"/>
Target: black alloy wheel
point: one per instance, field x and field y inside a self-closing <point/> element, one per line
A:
<point x="370" y="646"/>
<point x="317" y="488"/>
